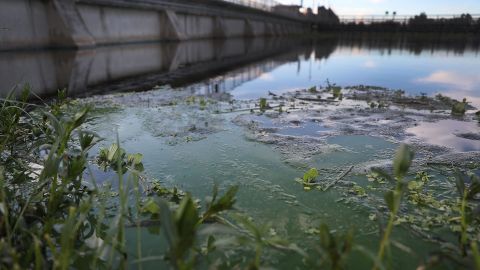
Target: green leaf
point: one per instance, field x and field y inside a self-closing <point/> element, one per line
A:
<point x="186" y="219"/>
<point x="383" y="174"/>
<point x="226" y="202"/>
<point x="403" y="160"/>
<point x="460" y="182"/>
<point x="79" y="118"/>
<point x="263" y="104"/>
<point x="151" y="207"/>
<point x="310" y="175"/>
<point x="112" y="152"/>
<point x="87" y="139"/>
<point x="135" y="159"/>
<point x="390" y="200"/>
<point x="325" y="236"/>
<point x="473" y="190"/>
<point x="50" y="168"/>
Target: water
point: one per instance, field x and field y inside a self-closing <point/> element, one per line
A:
<point x="268" y="192"/>
<point x="192" y="148"/>
<point x="250" y="68"/>
<point x="460" y="135"/>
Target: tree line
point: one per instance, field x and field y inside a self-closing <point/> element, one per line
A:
<point x="464" y="23"/>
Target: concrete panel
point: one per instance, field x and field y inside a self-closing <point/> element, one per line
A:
<point x="113" y="63"/>
<point x="259" y="28"/>
<point x="235" y="27"/>
<point x="83" y="23"/>
<point x="23" y="24"/>
<point x="45" y="71"/>
<point x="72" y="30"/>
<point x="110" y="25"/>
<point x="196" y="27"/>
<point x="196" y="51"/>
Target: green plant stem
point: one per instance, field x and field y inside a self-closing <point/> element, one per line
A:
<point x="139" y="230"/>
<point x="464" y="236"/>
<point x="123" y="203"/>
<point x="388" y="230"/>
<point x="386" y="238"/>
<point x="476" y="254"/>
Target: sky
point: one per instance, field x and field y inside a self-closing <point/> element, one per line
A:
<point x="402" y="7"/>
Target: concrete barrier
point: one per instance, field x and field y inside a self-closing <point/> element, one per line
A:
<point x="27" y="24"/>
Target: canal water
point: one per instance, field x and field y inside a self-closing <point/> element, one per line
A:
<point x="192" y="147"/>
<point x="249" y="68"/>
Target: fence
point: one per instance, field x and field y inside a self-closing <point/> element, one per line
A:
<point x="266" y="5"/>
<point x="367" y="19"/>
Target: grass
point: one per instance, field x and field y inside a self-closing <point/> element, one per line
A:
<point x="54" y="213"/>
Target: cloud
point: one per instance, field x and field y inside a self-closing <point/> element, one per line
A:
<point x="377" y="1"/>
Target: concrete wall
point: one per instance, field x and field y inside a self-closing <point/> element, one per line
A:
<point x="118" y="25"/>
<point x="23" y="24"/>
<point x="26" y="24"/>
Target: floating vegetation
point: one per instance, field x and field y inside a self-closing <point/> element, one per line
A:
<point x="263" y="104"/>
<point x="313" y="90"/>
<point x="309" y="179"/>
<point x="56" y="215"/>
<point x="202" y="103"/>
<point x="459" y="108"/>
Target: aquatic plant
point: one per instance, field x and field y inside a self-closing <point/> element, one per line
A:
<point x="466" y="193"/>
<point x="310" y="176"/>
<point x="203" y="103"/>
<point x="459" y="108"/>
<point x="308" y="179"/>
<point x="401" y="164"/>
<point x="333" y="250"/>
<point x="108" y="158"/>
<point x="215" y="206"/>
<point x="43" y="225"/>
<point x="357" y="190"/>
<point x="263" y="104"/>
<point x="337" y="92"/>
<point x="55" y="215"/>
<point x="313" y="89"/>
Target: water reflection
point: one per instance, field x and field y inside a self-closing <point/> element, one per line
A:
<point x="459" y="135"/>
<point x="250" y="68"/>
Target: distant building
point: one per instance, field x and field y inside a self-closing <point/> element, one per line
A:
<point x="326" y="16"/>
